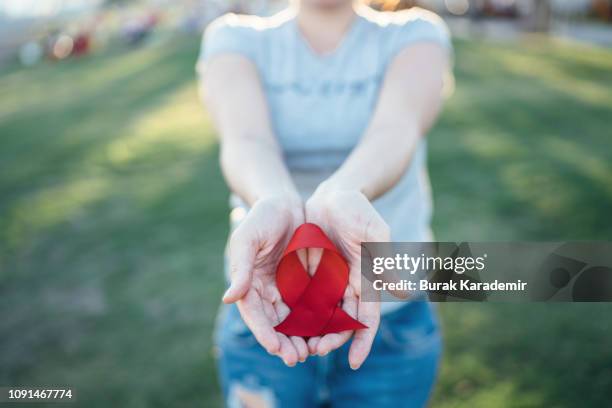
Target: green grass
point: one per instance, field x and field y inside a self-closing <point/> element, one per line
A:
<point x="113" y="218"/>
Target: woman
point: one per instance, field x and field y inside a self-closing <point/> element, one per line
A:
<point x="321" y="111"/>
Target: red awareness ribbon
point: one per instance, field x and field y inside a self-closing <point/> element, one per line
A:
<point x="314" y="301"/>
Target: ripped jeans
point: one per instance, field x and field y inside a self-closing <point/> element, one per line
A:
<point x="399" y="372"/>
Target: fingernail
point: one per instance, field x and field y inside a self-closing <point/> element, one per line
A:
<point x="354" y="366"/>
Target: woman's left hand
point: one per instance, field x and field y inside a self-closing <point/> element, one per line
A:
<point x="349" y="219"/>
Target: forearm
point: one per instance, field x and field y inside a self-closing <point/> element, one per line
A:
<point x="251" y="159"/>
<point x="255" y="169"/>
<point x="408" y="104"/>
<point x="378" y="162"/>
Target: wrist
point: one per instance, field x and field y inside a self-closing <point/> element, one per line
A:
<point x="283" y="202"/>
<point x="332" y="198"/>
<point x="339" y="185"/>
<point x="287" y="195"/>
<point x="330" y="189"/>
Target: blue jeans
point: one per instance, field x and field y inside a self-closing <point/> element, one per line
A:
<point x="399" y="372"/>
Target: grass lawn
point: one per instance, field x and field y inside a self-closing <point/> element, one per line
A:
<point x="113" y="218"/>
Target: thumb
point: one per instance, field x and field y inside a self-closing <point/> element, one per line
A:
<point x="241" y="257"/>
<point x="240" y="284"/>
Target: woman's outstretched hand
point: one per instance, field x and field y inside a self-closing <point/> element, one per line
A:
<point x="349" y="219"/>
<point x="256" y="246"/>
<point x="254" y="251"/>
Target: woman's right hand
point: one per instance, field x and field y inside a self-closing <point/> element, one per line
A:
<point x="254" y="251"/>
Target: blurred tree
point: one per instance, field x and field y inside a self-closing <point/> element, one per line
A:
<point x="603" y="9"/>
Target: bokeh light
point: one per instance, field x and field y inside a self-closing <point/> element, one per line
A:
<point x="457" y="7"/>
<point x="63" y="46"/>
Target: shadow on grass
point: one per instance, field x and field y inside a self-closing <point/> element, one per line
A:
<point x="524" y="153"/>
<point x="112" y="285"/>
<point x="64" y="109"/>
<point x="532" y="355"/>
<point x="528" y="159"/>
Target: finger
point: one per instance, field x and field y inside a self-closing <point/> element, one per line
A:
<point x="271" y="313"/>
<point x="241" y="258"/>
<point x="287" y="351"/>
<point x="282" y="311"/>
<point x="300" y="346"/>
<point x="291" y="349"/>
<point x="314" y="257"/>
<point x="251" y="309"/>
<point x="369" y="314"/>
<point x="390" y="276"/>
<point x="334" y="341"/>
<point x="355" y="276"/>
<point x="271" y="294"/>
<point x="312" y="345"/>
<point x="303" y="257"/>
<point x="378" y="231"/>
<point x="350" y="302"/>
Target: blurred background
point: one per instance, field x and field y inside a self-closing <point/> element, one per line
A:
<point x="113" y="212"/>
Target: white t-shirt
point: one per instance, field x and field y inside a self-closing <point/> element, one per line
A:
<point x="320" y="106"/>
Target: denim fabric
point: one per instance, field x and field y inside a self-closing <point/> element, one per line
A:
<point x="399" y="372"/>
